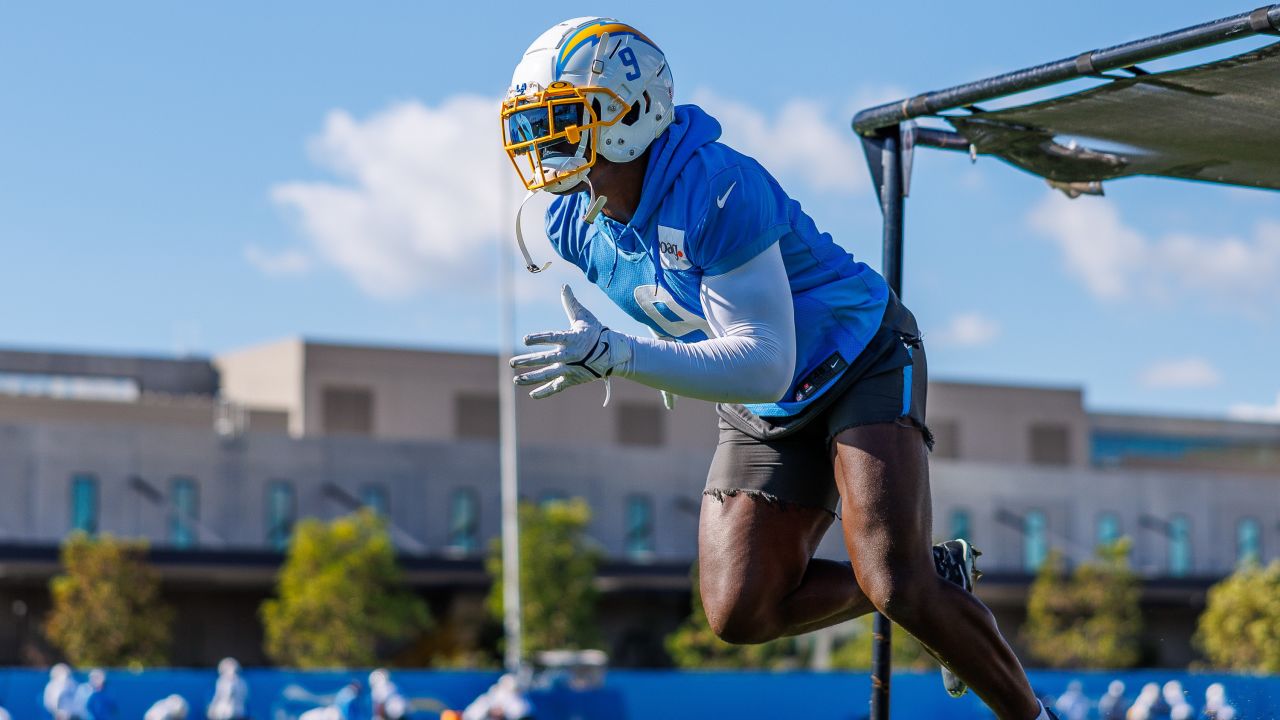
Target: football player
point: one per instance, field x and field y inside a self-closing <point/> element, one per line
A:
<point x="818" y="371"/>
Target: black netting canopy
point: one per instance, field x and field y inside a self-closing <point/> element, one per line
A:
<point x="1218" y="122"/>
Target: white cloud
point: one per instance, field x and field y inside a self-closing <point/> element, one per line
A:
<point x="1256" y="413"/>
<point x="1182" y="374"/>
<point x="1096" y="245"/>
<point x="802" y="139"/>
<point x="278" y="264"/>
<point x="970" y="329"/>
<point x="1117" y="262"/>
<point x="424" y="193"/>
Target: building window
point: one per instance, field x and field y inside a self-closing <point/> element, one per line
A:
<point x="476" y="416"/>
<point x="1035" y="544"/>
<point x="70" y="387"/>
<point x="464" y="520"/>
<point x="281" y="513"/>
<point x="374" y="497"/>
<point x="347" y="411"/>
<point x="640" y="424"/>
<point x="960" y="527"/>
<point x="1108" y="529"/>
<point x="946" y="439"/>
<point x="184" y="512"/>
<point x="1248" y="540"/>
<point x="84" y="503"/>
<point x="1179" y="546"/>
<point x="639" y="526"/>
<point x="1050" y="444"/>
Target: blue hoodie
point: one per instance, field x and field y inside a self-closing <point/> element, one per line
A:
<point x="704" y="210"/>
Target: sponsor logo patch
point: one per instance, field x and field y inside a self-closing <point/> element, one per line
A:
<point x="671" y="249"/>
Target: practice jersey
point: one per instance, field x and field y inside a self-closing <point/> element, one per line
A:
<point x="704" y="210"/>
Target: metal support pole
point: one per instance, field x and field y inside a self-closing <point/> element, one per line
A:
<point x="891" y="204"/>
<point x="509" y="442"/>
<point x="881" y="666"/>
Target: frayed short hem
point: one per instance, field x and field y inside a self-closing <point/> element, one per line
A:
<point x="719" y="494"/>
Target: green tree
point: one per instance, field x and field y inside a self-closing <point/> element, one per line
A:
<point x="1090" y="618"/>
<point x="557" y="577"/>
<point x="694" y="645"/>
<point x="107" y="609"/>
<point x="1240" y="626"/>
<point x="854" y="653"/>
<point x="340" y="593"/>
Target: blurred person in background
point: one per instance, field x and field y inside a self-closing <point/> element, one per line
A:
<point x="503" y="701"/>
<point x="1112" y="705"/>
<point x="230" y="694"/>
<point x="60" y="692"/>
<point x="346" y="705"/>
<point x="93" y="701"/>
<point x="1142" y="707"/>
<point x="4" y="714"/>
<point x="173" y="707"/>
<point x="1072" y="704"/>
<point x="1216" y="706"/>
<point x="1176" y="700"/>
<point x="347" y="702"/>
<point x="388" y="703"/>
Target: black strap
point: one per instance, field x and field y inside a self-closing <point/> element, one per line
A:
<point x="1084" y="64"/>
<point x="592" y="355"/>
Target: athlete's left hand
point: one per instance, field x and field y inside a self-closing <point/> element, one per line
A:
<point x="586" y="352"/>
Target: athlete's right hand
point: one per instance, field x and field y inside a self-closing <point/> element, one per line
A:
<point x="586" y="352"/>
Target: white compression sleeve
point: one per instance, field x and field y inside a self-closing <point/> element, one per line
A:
<point x="752" y="354"/>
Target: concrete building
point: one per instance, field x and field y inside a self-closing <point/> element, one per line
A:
<point x="214" y="460"/>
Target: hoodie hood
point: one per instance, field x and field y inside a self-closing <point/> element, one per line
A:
<point x="691" y="129"/>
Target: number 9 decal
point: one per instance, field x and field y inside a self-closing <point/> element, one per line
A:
<point x="628" y="58"/>
<point x="676" y="321"/>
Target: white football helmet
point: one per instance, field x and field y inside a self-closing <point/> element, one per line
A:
<point x="586" y="87"/>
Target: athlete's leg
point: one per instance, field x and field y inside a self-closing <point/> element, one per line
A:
<point x="882" y="472"/>
<point x="759" y="579"/>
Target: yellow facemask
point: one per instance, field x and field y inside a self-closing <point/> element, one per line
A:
<point x="556" y="123"/>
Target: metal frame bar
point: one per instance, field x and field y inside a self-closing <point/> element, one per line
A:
<point x="889" y="139"/>
<point x="1263" y="21"/>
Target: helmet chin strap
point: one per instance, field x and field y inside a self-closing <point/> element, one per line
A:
<point x="528" y="260"/>
<point x="596" y="204"/>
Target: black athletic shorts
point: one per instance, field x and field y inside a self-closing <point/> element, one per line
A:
<point x="789" y="459"/>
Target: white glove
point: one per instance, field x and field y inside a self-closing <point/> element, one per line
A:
<point x="587" y="351"/>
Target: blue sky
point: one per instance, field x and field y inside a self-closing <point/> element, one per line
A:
<point x="196" y="178"/>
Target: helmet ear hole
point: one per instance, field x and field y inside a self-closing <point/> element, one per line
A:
<point x="596" y="108"/>
<point x="647" y="102"/>
<point x="633" y="114"/>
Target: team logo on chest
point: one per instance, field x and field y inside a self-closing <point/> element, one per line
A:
<point x="671" y="249"/>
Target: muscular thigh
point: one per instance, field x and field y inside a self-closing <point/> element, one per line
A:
<point x="755" y="551"/>
<point x="883" y="474"/>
